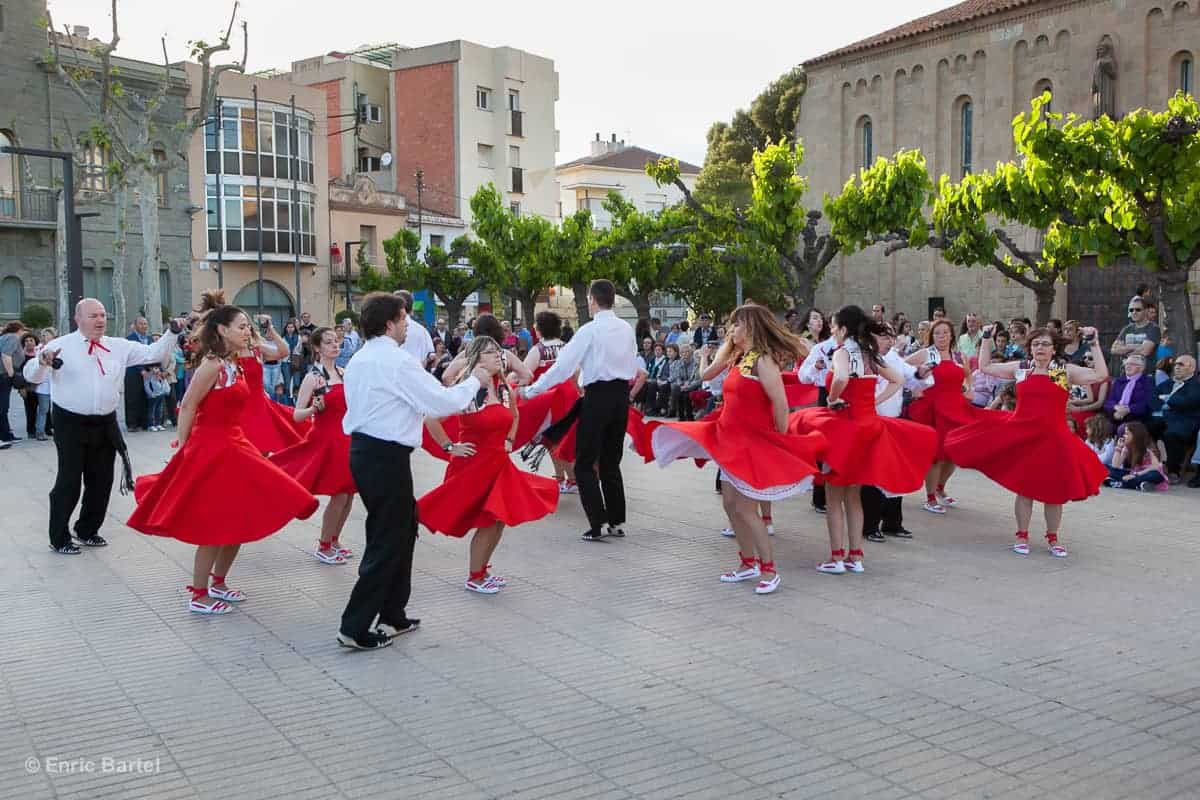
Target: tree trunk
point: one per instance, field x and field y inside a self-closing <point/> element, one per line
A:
<point x="120" y="256"/>
<point x="804" y="290"/>
<point x="581" y="303"/>
<point x="62" y="286"/>
<point x="1045" y="303"/>
<point x="151" y="294"/>
<point x="641" y="302"/>
<point x="454" y="308"/>
<point x="528" y="307"/>
<point x="1177" y="308"/>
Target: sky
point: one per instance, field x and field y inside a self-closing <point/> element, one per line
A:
<point x="655" y="73"/>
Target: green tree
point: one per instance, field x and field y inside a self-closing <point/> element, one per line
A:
<point x="517" y="250"/>
<point x="571" y="253"/>
<point x="775" y="227"/>
<point x="725" y="179"/>
<point x="438" y="271"/>
<point x="1134" y="183"/>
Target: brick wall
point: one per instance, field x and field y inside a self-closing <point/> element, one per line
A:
<point x="333" y="123"/>
<point x="424" y="134"/>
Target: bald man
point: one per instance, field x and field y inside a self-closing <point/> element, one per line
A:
<point x="86" y="369"/>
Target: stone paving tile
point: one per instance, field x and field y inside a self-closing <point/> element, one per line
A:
<point x="620" y="670"/>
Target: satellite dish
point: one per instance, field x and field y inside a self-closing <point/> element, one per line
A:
<point x="386" y="159"/>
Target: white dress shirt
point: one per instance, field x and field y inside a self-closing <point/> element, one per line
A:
<point x="417" y="342"/>
<point x="91" y="383"/>
<point x="908" y="373"/>
<point x="821" y="351"/>
<point x="604" y="349"/>
<point x="388" y="394"/>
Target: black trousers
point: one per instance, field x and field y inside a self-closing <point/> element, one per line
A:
<point x="881" y="513"/>
<point x="6" y="386"/>
<point x="1177" y="447"/>
<point x="135" y="399"/>
<point x="600" y="440"/>
<point x="819" y="490"/>
<point x="31" y="403"/>
<point x="85" y="451"/>
<point x="383" y="475"/>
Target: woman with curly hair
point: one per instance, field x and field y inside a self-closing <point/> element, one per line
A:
<point x="217" y="492"/>
<point x="749" y="439"/>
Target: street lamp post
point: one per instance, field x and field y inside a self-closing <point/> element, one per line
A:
<point x="71" y="225"/>
<point x="348" y="246"/>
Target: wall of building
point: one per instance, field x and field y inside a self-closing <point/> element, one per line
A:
<point x="913" y="93"/>
<point x="424" y="131"/>
<point x="577" y="184"/>
<point x="242" y="268"/>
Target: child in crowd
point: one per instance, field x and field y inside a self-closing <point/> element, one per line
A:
<point x="281" y="396"/>
<point x="156" y="388"/>
<point x="1100" y="438"/>
<point x="1135" y="464"/>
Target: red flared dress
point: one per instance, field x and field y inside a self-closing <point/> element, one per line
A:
<point x="864" y="448"/>
<point x="218" y="489"/>
<point x="268" y="425"/>
<point x="321" y="461"/>
<point x="943" y="406"/>
<point x="1031" y="451"/>
<point x="486" y="488"/>
<point x="536" y="415"/>
<point x="760" y="462"/>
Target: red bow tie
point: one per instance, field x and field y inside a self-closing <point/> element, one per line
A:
<point x="93" y="346"/>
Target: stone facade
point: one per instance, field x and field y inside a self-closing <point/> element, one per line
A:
<point x="919" y="86"/>
<point x="41" y="112"/>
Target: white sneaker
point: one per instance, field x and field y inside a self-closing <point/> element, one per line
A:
<point x="854" y="566"/>
<point x="743" y="574"/>
<point x="329" y="556"/>
<point x="766" y="587"/>
<point x="934" y="508"/>
<point x="832" y="567"/>
<point x="770" y="529"/>
<point x="485" y="586"/>
<point x="728" y="533"/>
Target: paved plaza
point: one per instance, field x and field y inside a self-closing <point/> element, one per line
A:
<point x="624" y="669"/>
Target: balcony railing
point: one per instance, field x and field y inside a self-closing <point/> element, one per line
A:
<point x="29" y="205"/>
<point x="516" y="119"/>
<point x="518" y="180"/>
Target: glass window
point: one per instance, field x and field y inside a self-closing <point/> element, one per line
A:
<point x="9" y="180"/>
<point x="266" y="137"/>
<point x="12" y="296"/>
<point x="483" y="98"/>
<point x="275" y="301"/>
<point x="249" y="131"/>
<point x="967" y="138"/>
<point x="868" y="144"/>
<point x="164" y="290"/>
<point x="1185" y="74"/>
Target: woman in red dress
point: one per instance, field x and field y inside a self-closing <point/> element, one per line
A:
<point x="864" y="449"/>
<point x="749" y="439"/>
<point x="217" y="492"/>
<point x="321" y="462"/>
<point x="1031" y="451"/>
<point x="483" y="489"/>
<point x="944" y="406"/>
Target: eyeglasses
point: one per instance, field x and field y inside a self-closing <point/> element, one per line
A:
<point x="1135" y="308"/>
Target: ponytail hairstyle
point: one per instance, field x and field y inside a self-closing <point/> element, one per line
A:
<point x="211" y="299"/>
<point x="863" y="330"/>
<point x="208" y="340"/>
<point x="479" y="345"/>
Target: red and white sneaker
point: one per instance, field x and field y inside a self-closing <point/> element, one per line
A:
<point x="568" y="487"/>
<point x="748" y="571"/>
<point x="934" y="507"/>
<point x="197" y="605"/>
<point x="1021" y="547"/>
<point x="328" y="556"/>
<point x="946" y="500"/>
<point x="766" y="586"/>
<point x="342" y="550"/>
<point x="854" y="563"/>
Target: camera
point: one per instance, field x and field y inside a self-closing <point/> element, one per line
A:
<point x="320" y="373"/>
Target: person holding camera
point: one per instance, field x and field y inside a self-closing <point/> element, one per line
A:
<point x="321" y="462"/>
<point x="1031" y="451"/>
<point x="86" y="372"/>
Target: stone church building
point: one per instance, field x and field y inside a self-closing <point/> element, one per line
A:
<point x="950" y="84"/>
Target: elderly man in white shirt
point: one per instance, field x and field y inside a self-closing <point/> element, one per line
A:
<point x="605" y="352"/>
<point x="388" y="395"/>
<point x="882" y="512"/>
<point x="86" y="371"/>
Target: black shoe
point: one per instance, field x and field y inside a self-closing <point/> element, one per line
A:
<point x="901" y="533"/>
<point x="593" y="536"/>
<point x="96" y="540"/>
<point x="371" y="640"/>
<point x="819" y="509"/>
<point x="392" y="631"/>
<point x="1194" y="483"/>
<point x="6" y="445"/>
<point x="615" y="532"/>
<point x="875" y="536"/>
<point x="68" y="549"/>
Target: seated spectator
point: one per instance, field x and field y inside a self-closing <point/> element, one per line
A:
<point x="1098" y="435"/>
<point x="658" y="373"/>
<point x="1132" y="395"/>
<point x="1087" y="401"/>
<point x="439" y="359"/>
<point x="281" y="396"/>
<point x="510" y="340"/>
<point x="986" y="387"/>
<point x="1163" y="369"/>
<point x="685" y="379"/>
<point x="1180" y="398"/>
<point x="1135" y="463"/>
<point x="1006" y="399"/>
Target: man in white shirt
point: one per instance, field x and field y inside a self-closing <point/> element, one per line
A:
<point x="388" y="395"/>
<point x="86" y="386"/>
<point x="882" y="513"/>
<point x="417" y="342"/>
<point x="605" y="351"/>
